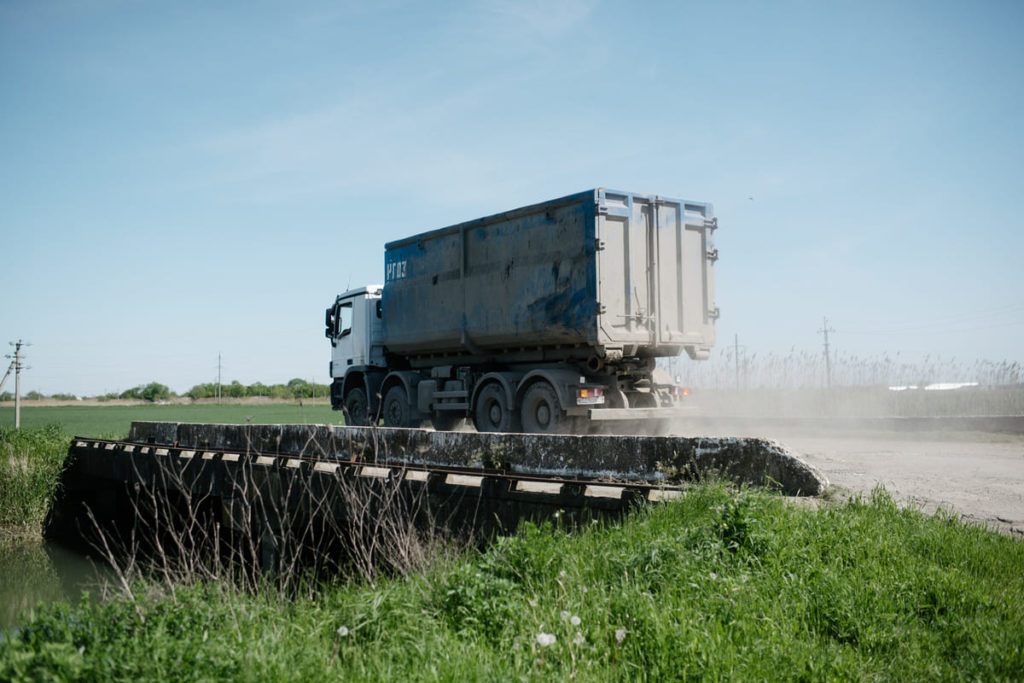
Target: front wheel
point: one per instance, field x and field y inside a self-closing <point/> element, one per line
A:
<point x="542" y="413"/>
<point x="356" y="408"/>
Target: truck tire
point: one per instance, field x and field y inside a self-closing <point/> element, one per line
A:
<point x="447" y="421"/>
<point x="493" y="413"/>
<point x="541" y="411"/>
<point x="356" y="408"/>
<point x="396" y="409"/>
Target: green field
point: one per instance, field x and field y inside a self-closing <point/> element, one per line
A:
<point x="114" y="421"/>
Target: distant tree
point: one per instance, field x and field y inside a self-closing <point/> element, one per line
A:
<point x="281" y="391"/>
<point x="135" y="393"/>
<point x="34" y="396"/>
<point x="300" y="388"/>
<point x="64" y="397"/>
<point x="154" y="391"/>
<point x="234" y="390"/>
<point x="208" y="390"/>
<point x="6" y="396"/>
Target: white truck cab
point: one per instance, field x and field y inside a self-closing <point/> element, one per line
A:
<point x="354" y="327"/>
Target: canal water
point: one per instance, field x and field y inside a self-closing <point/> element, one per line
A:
<point x="43" y="572"/>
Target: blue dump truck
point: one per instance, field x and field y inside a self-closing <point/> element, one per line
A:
<point x="546" y="318"/>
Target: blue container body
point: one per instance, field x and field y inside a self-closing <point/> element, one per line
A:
<point x="536" y="282"/>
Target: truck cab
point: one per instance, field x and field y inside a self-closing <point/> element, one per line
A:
<point x="354" y="326"/>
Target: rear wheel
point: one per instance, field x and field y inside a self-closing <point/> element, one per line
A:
<point x="396" y="408"/>
<point x="541" y="411"/>
<point x="493" y="413"/>
<point x="356" y="408"/>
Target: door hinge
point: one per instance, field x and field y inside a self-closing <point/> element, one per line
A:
<point x="712" y="255"/>
<point x="599" y="245"/>
<point x="711" y="223"/>
<point x="715" y="313"/>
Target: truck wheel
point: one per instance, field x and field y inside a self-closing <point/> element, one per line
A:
<point x="396" y="408"/>
<point x="492" y="411"/>
<point x="542" y="414"/>
<point x="447" y="421"/>
<point x="356" y="408"/>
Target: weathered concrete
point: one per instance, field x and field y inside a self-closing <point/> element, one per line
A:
<point x="649" y="458"/>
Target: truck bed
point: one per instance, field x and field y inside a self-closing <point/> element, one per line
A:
<point x="595" y="273"/>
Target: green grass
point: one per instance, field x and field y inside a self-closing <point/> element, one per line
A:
<point x="718" y="586"/>
<point x="114" y="421"/>
<point x="31" y="461"/>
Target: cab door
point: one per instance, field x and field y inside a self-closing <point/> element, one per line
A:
<point x="344" y="349"/>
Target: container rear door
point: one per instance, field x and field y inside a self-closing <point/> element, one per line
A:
<point x="656" y="280"/>
<point x="624" y="231"/>
<point x="685" y="261"/>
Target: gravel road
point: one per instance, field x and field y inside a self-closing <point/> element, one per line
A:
<point x="980" y="476"/>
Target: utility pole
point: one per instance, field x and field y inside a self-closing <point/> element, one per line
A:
<point x="218" y="377"/>
<point x="17" y="367"/>
<point x="825" y="329"/>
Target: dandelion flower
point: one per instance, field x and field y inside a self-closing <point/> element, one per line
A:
<point x="620" y="635"/>
<point x="564" y="614"/>
<point x="575" y="620"/>
<point x="343" y="631"/>
<point x="579" y="639"/>
<point x="545" y="639"/>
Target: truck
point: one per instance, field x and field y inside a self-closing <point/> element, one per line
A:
<point x="543" y="319"/>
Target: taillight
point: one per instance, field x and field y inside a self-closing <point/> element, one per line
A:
<point x="589" y="396"/>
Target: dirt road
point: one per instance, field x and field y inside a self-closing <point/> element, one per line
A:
<point x="980" y="476"/>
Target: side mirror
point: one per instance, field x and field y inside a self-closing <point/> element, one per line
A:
<point x="329" y="323"/>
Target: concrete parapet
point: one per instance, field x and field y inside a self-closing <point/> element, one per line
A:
<point x="753" y="461"/>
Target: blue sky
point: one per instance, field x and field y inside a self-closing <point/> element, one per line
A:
<point x="183" y="179"/>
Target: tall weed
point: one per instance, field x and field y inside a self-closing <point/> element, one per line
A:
<point x="31" y="461"/>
